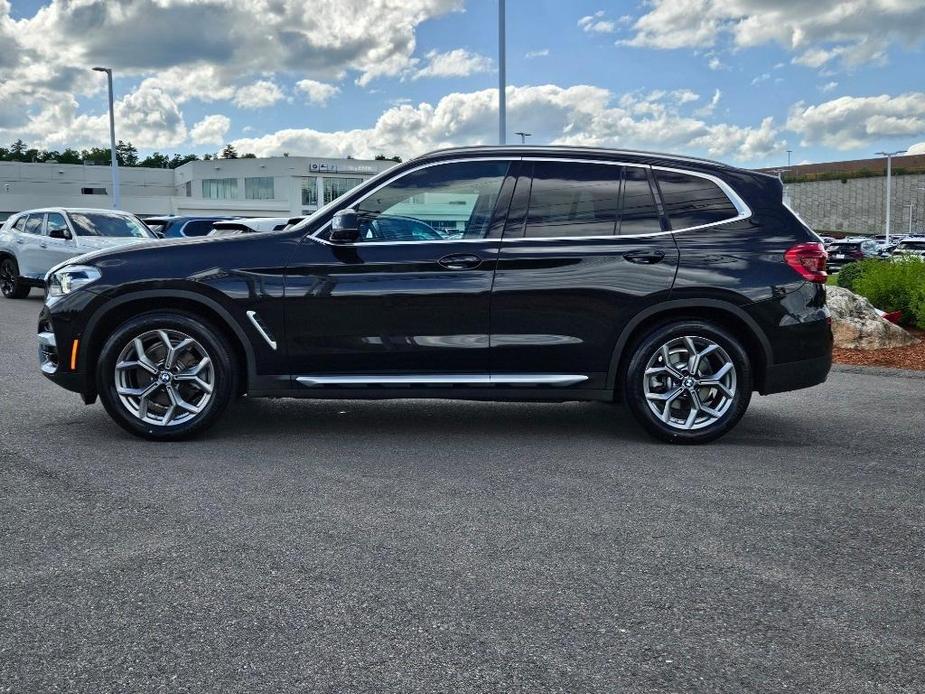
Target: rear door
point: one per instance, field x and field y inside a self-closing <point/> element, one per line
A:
<point x="584" y="249"/>
<point x="30" y="251"/>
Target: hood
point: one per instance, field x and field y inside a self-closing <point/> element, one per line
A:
<point x="92" y="243"/>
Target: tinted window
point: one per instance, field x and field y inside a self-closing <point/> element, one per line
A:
<point x="640" y="214"/>
<point x="912" y="246"/>
<point x="573" y="199"/>
<point x="55" y="222"/>
<point x="34" y="224"/>
<point x="112" y="225"/>
<point x="439" y="202"/>
<point x="200" y="227"/>
<point x="692" y="201"/>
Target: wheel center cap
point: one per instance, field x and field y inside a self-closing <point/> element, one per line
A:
<point x="164" y="377"/>
<point x="688" y="382"/>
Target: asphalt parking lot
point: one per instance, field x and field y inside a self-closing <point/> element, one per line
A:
<point x="460" y="547"/>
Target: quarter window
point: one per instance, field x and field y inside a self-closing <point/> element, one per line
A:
<point x="692" y="201"/>
<point x="571" y="199"/>
<point x="220" y="188"/>
<point x="34" y="224"/>
<point x="446" y="201"/>
<point x="20" y="224"/>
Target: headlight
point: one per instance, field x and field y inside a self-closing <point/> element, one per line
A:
<point x="70" y="278"/>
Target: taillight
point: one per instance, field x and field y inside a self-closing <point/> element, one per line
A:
<point x="809" y="260"/>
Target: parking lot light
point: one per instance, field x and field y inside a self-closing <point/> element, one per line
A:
<point x="112" y="139"/>
<point x="889" y="170"/>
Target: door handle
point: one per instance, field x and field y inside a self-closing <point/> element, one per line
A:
<point x="460" y="261"/>
<point x="44" y="244"/>
<point x="647" y="256"/>
<point x="20" y="241"/>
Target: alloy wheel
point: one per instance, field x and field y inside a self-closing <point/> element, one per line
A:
<point x="164" y="377"/>
<point x="690" y="382"/>
<point x="7" y="278"/>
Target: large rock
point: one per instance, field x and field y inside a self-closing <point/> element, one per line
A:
<point x="857" y="325"/>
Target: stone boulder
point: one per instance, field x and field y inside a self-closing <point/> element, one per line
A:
<point x="856" y="324"/>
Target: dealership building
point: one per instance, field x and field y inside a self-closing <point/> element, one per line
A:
<point x="271" y="187"/>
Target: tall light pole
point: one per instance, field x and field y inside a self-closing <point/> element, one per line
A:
<point x="502" y="86"/>
<point x="523" y="136"/>
<point x="911" y="207"/>
<point x="889" y="172"/>
<point x="789" y="152"/>
<point x="112" y="139"/>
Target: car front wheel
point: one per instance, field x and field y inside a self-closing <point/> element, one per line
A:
<point x="11" y="284"/>
<point x="688" y="382"/>
<point x="166" y="375"/>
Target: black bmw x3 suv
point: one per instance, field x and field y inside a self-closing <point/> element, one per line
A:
<point x="678" y="286"/>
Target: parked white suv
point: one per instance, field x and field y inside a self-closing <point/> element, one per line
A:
<point x="34" y="241"/>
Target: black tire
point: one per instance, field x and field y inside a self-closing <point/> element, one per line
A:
<point x="207" y="339"/>
<point x="647" y="353"/>
<point x="12" y="285"/>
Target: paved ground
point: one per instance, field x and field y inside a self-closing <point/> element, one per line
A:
<point x="461" y="547"/>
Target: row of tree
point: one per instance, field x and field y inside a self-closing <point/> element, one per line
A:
<point x="126" y="155"/>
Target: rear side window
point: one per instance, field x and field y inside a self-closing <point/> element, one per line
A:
<point x="198" y="228"/>
<point x="573" y="199"/>
<point x="692" y="201"/>
<point x="34" y="224"/>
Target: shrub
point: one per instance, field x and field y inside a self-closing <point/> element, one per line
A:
<point x="894" y="286"/>
<point x="850" y="273"/>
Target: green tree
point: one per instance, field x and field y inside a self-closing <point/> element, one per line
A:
<point x="155" y="161"/>
<point x="248" y="155"/>
<point x="17" y="150"/>
<point x="229" y="152"/>
<point x="178" y="160"/>
<point x="126" y="154"/>
<point x="69" y="156"/>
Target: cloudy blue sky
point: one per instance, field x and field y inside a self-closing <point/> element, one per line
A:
<point x="738" y="80"/>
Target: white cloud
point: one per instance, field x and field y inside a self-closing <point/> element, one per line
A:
<point x="854" y="31"/>
<point x="827" y="87"/>
<point x="596" y="24"/>
<point x="456" y="63"/>
<point x="577" y="115"/>
<point x="260" y="94"/>
<point x="211" y="130"/>
<point x="716" y="64"/>
<point x="918" y="148"/>
<point x="761" y="78"/>
<point x="541" y="53"/>
<point x="851" y="122"/>
<point x="710" y="107"/>
<point x="318" y="93"/>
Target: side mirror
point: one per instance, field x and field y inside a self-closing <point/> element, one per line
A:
<point x="345" y="226"/>
<point x="59" y="234"/>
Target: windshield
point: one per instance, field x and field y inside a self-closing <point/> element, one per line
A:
<point x="113" y="225"/>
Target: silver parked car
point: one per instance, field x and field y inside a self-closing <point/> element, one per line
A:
<point x="34" y="241"/>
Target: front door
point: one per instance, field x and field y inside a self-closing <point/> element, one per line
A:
<point x="58" y="249"/>
<point x="584" y="249"/>
<point x="408" y="301"/>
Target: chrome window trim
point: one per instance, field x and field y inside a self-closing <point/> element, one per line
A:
<point x="744" y="211"/>
<point x="444" y="379"/>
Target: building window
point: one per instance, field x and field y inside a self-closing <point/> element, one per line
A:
<point x="220" y="188"/>
<point x="259" y="188"/>
<point x="334" y="187"/>
<point x="189" y="189"/>
<point x="310" y="192"/>
<point x="93" y="191"/>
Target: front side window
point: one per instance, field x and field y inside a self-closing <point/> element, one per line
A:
<point x="220" y="188"/>
<point x="34" y="224"/>
<point x="55" y="222"/>
<point x="445" y="201"/>
<point x="692" y="201"/>
<point x="259" y="188"/>
<point x="109" y="225"/>
<point x="573" y="199"/>
<point x="334" y="187"/>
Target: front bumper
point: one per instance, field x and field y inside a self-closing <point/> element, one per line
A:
<point x="59" y="355"/>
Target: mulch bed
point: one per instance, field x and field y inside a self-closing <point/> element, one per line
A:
<point x="912" y="357"/>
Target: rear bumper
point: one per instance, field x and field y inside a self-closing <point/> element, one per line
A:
<point x="779" y="378"/>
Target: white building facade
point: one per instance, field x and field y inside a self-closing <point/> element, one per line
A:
<point x="271" y="187"/>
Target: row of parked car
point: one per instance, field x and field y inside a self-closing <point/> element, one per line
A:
<point x="34" y="241"/>
<point x="850" y="250"/>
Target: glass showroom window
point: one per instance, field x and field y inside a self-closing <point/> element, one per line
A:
<point x="310" y="192"/>
<point x="335" y="187"/>
<point x="259" y="188"/>
<point x="220" y="188"/>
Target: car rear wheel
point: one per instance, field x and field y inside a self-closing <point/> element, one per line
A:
<point x="166" y="375"/>
<point x="11" y="284"/>
<point x="688" y="382"/>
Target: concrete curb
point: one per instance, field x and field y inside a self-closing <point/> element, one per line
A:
<point x="878" y="371"/>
